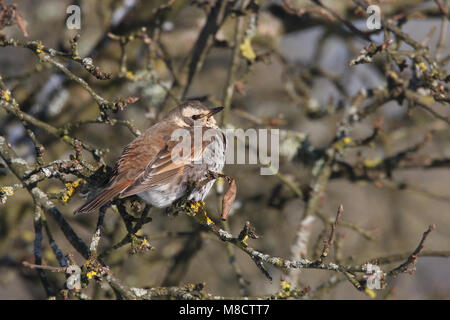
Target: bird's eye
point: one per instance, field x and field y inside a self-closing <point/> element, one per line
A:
<point x="197" y="116"/>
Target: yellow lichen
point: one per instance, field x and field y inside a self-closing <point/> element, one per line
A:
<point x="422" y="66"/>
<point x="244" y="241"/>
<point x="247" y="50"/>
<point x="6" y="95"/>
<point x="145" y="245"/>
<point x="393" y="75"/>
<point x="197" y="205"/>
<point x="369" y="163"/>
<point x="39" y="48"/>
<point x="285" y="285"/>
<point x="220" y="181"/>
<point x="76" y="183"/>
<point x="344" y="142"/>
<point x="9" y="191"/>
<point x="91" y="274"/>
<point x="285" y="289"/>
<point x="347" y="140"/>
<point x="197" y="210"/>
<point x="370" y="293"/>
<point x="70" y="189"/>
<point x="203" y="218"/>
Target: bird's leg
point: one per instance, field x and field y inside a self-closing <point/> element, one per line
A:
<point x="216" y="175"/>
<point x="175" y="207"/>
<point x="210" y="175"/>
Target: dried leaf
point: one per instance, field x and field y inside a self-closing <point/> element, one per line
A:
<point x="228" y="198"/>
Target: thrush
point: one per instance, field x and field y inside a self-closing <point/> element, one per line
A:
<point x="158" y="168"/>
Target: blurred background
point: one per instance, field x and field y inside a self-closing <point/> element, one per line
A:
<point x="299" y="80"/>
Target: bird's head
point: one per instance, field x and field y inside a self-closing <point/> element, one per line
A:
<point x="193" y="113"/>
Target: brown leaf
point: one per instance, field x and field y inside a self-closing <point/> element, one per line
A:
<point x="228" y="198"/>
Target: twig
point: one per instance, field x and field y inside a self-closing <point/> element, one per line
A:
<point x="411" y="261"/>
<point x="332" y="237"/>
<point x="43" y="267"/>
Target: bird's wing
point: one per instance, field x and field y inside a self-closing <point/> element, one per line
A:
<point x="168" y="164"/>
<point x="132" y="163"/>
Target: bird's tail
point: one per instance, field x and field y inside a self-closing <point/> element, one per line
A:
<point x="101" y="198"/>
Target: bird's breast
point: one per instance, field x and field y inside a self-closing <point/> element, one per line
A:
<point x="213" y="156"/>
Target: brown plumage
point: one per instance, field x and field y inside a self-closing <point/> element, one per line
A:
<point x="147" y="168"/>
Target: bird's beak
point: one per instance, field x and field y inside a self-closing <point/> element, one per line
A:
<point x="214" y="111"/>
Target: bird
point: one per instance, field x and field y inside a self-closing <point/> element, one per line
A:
<point x="153" y="165"/>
